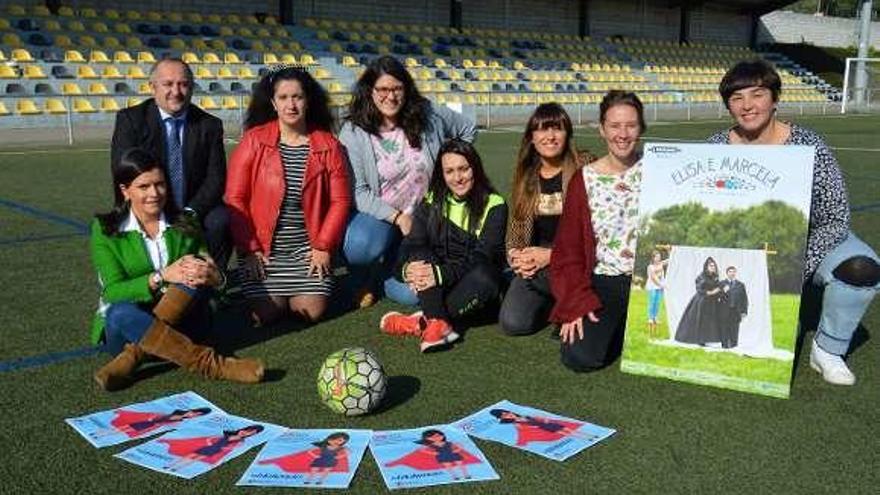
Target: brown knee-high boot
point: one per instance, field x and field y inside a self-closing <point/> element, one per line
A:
<point x="167" y="343"/>
<point x="116" y="374"/>
<point x="172" y="307"/>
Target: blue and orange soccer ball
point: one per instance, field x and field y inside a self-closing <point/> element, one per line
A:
<point x="352" y="381"/>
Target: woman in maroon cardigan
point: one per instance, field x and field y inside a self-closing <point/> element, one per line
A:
<point x="596" y="238"/>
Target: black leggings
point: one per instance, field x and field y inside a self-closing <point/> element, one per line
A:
<point x="472" y="292"/>
<point x="527" y="304"/>
<point x="603" y="341"/>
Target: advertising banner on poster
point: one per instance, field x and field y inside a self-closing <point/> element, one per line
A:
<point x="118" y="425"/>
<point x="533" y="430"/>
<point x="201" y="446"/>
<point x="309" y="459"/>
<point x="429" y="456"/>
<point x="719" y="265"/>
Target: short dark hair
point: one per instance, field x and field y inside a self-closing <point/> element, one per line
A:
<point x="731" y="267"/>
<point x="620" y="97"/>
<point x="747" y="74"/>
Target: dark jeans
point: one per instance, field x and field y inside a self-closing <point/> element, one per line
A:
<point x="216" y="227"/>
<point x="472" y="292"/>
<point x="603" y="341"/>
<point x="526" y="304"/>
<point x="127" y="322"/>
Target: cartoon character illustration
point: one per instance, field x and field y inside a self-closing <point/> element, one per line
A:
<point x="438" y="453"/>
<point x="328" y="456"/>
<point x="135" y="423"/>
<point x="539" y="429"/>
<point x="210" y="450"/>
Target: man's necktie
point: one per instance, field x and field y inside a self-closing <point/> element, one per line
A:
<point x="175" y="164"/>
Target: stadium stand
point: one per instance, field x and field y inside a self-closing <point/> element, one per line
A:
<point x="72" y="58"/>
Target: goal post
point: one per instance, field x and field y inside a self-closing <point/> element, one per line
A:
<point x="861" y="83"/>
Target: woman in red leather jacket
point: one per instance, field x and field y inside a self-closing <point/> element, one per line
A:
<point x="288" y="193"/>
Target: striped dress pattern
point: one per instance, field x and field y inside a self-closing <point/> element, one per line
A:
<point x="288" y="268"/>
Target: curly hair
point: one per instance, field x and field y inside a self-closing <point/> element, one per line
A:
<point x="413" y="116"/>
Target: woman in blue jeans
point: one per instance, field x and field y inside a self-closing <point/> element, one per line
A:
<point x="392" y="135"/>
<point x="837" y="260"/>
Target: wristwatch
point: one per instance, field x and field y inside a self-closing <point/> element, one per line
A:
<point x="157" y="279"/>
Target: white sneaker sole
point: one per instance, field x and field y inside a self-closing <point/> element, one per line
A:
<point x="847" y="381"/>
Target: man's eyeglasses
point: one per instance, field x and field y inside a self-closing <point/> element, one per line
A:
<point x="385" y="92"/>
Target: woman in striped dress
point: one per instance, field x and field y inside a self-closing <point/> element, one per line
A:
<point x="289" y="197"/>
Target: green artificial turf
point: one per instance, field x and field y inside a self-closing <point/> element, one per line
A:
<point x="672" y="437"/>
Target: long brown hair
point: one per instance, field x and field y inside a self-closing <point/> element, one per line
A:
<point x="524" y="193"/>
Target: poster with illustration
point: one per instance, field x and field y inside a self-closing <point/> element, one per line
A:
<point x="719" y="265"/>
<point x="309" y="459"/>
<point x="119" y="425"/>
<point x="533" y="430"/>
<point x="429" y="456"/>
<point x="201" y="445"/>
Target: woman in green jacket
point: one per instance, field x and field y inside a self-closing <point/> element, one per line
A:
<point x="152" y="274"/>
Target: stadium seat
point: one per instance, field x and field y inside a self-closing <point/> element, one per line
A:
<point x="122" y="28"/>
<point x="229" y="103"/>
<point x="246" y="73"/>
<point x="7" y="72"/>
<point x="111" y="72"/>
<point x="322" y="74"/>
<point x="207" y="103"/>
<point x="146" y="58"/>
<point x="211" y="58"/>
<point x="55" y="106"/>
<point x="97" y="88"/>
<point x="100" y="27"/>
<point x="112" y="43"/>
<point x="190" y="58"/>
<point x="135" y="72"/>
<point x="307" y="59"/>
<point x="21" y="55"/>
<point x="204" y="73"/>
<point x="34" y="72"/>
<point x="11" y="40"/>
<point x="122" y="57"/>
<point x="83" y="105"/>
<point x="44" y="89"/>
<point x="74" y="56"/>
<point x="288" y="58"/>
<point x="15" y="89"/>
<point x="270" y="58"/>
<point x="122" y="88"/>
<point x="3" y="110"/>
<point x="132" y="101"/>
<point x="16" y="10"/>
<point x="144" y="88"/>
<point x="231" y="58"/>
<point x="98" y="57"/>
<point x="70" y="89"/>
<point x="225" y="73"/>
<point x="86" y="72"/>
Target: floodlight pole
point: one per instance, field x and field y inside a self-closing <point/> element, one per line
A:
<point x="864" y="43"/>
<point x="846" y="91"/>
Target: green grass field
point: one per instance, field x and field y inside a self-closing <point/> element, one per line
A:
<point x="673" y="437"/>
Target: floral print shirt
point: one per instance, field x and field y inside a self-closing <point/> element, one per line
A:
<point x="404" y="175"/>
<point x="614" y="208"/>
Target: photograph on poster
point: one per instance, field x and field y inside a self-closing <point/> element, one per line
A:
<point x="719" y="265"/>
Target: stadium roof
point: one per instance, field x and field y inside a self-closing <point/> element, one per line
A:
<point x="743" y="6"/>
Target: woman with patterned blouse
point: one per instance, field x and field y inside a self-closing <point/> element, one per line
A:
<point x="594" y="250"/>
<point x="847" y="268"/>
<point x="392" y="135"/>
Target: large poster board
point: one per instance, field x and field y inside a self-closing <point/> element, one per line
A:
<point x="719" y="264"/>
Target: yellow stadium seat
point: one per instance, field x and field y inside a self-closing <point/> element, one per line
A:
<point x="233" y="19"/>
<point x="34" y="72"/>
<point x="146" y="58"/>
<point x="122" y="28"/>
<point x="225" y="73"/>
<point x="97" y="88"/>
<point x="40" y="10"/>
<point x="133" y="100"/>
<point x="204" y="73"/>
<point x="211" y="58"/>
<point x="175" y="16"/>
<point x="227" y="32"/>
<point x="229" y="58"/>
<point x="54" y="106"/>
<point x="122" y="57"/>
<point x="229" y="103"/>
<point x="307" y="59"/>
<point x="65" y="11"/>
<point x="177" y="44"/>
<point x="135" y="72"/>
<point x="112" y="43"/>
<point x="349" y="61"/>
<point x="88" y="42"/>
<point x="245" y="32"/>
<point x="75" y="26"/>
<point x="258" y="46"/>
<point x="11" y="40"/>
<point x="21" y="55"/>
<point x="49" y="25"/>
<point x="144" y="88"/>
<point x="263" y="33"/>
<point x="98" y="57"/>
<point x="208" y="103"/>
<point x="4" y="24"/>
<point x="246" y="73"/>
<point x="190" y="58"/>
<point x="322" y="73"/>
<point x="270" y="21"/>
<point x="70" y="88"/>
<point x="82" y="105"/>
<point x="7" y="72"/>
<point x="133" y="15"/>
<point x="133" y="43"/>
<point x="111" y="72"/>
<point x="2" y="56"/>
<point x="288" y="58"/>
<point x="199" y="45"/>
<point x="86" y="72"/>
<point x="16" y="9"/>
<point x="214" y="19"/>
<point x="194" y="17"/>
<point x="270" y="58"/>
<point x="74" y="56"/>
<point x="154" y="16"/>
<point x="411" y="62"/>
<point x="27" y="107"/>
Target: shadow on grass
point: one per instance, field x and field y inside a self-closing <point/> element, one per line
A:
<point x="400" y="389"/>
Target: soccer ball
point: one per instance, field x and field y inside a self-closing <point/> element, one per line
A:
<point x="351" y="381"/>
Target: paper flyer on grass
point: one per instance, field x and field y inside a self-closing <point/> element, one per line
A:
<point x="429" y="456"/>
<point x="115" y="426"/>
<point x="201" y="446"/>
<point x="309" y="459"/>
<point x="719" y="265"/>
<point x="533" y="430"/>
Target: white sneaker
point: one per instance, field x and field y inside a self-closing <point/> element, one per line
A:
<point x="831" y="366"/>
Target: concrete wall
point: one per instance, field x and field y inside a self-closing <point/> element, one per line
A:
<point x="791" y="27"/>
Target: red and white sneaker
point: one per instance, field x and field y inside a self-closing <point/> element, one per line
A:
<point x="396" y="323"/>
<point x="437" y="335"/>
